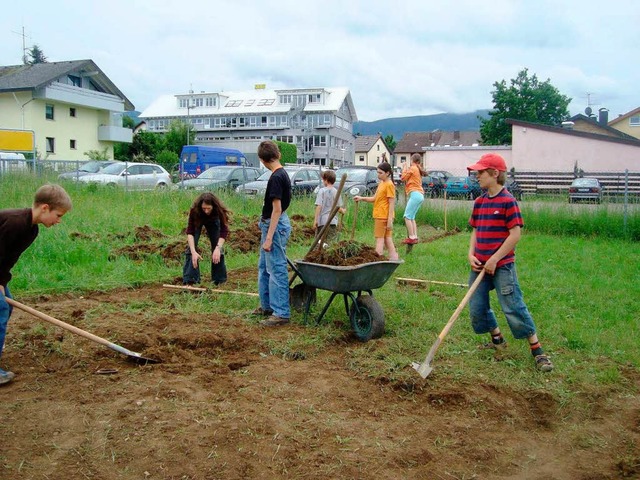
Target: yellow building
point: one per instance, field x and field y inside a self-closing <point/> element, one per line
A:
<point x="628" y="123"/>
<point x="72" y="107"/>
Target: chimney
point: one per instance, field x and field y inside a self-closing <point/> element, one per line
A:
<point x="603" y="116"/>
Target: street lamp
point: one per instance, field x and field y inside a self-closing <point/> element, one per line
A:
<point x="189" y="107"/>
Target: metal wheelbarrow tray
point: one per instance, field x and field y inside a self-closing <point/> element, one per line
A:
<point x="364" y="311"/>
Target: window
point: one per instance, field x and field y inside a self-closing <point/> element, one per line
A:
<point x="233" y="103"/>
<point x="361" y="158"/>
<point x="378" y="147"/>
<point x="198" y="102"/>
<point x="48" y="113"/>
<point x="51" y="145"/>
<point x="75" y="80"/>
<point x="72" y="112"/>
<point x="635" y="120"/>
<point x="211" y="102"/>
<point x="72" y="144"/>
<point x="314" y="98"/>
<point x="248" y="103"/>
<point x="285" y="99"/>
<point x="265" y="102"/>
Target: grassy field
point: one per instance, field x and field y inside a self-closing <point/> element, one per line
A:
<point x="579" y="273"/>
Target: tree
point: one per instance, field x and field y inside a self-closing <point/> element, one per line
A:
<point x="146" y="145"/>
<point x="36" y="54"/>
<point x="525" y="99"/>
<point x="176" y="136"/>
<point x="288" y="152"/>
<point x="391" y="143"/>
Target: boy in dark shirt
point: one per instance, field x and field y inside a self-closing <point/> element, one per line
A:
<point x="496" y="221"/>
<point x="273" y="277"/>
<point x="18" y="230"/>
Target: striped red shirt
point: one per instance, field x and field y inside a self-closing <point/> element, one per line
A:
<point x="493" y="217"/>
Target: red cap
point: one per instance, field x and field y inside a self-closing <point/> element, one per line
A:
<point x="489" y="160"/>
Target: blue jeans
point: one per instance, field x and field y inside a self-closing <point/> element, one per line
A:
<point x="505" y="283"/>
<point x="273" y="276"/>
<point x="5" y="313"/>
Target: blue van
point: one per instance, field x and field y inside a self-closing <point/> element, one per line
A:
<point x="195" y="159"/>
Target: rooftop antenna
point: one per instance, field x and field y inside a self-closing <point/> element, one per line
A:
<point x="589" y="111"/>
<point x="24" y="45"/>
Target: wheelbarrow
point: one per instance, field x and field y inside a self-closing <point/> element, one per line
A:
<point x="364" y="311"/>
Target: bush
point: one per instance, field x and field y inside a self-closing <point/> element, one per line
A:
<point x="167" y="159"/>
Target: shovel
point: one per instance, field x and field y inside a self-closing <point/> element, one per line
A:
<point x="131" y="356"/>
<point x="425" y="368"/>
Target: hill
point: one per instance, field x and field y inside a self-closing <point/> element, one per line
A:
<point x="421" y="123"/>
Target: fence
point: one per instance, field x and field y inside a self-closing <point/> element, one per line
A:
<point x="613" y="184"/>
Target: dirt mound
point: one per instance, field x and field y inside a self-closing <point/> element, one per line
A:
<point x="344" y="253"/>
<point x="233" y="400"/>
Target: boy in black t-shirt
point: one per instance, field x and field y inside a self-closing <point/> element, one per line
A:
<point x="273" y="277"/>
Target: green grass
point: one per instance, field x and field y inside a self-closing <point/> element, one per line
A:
<point x="578" y="271"/>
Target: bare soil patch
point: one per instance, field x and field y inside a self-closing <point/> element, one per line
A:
<point x="226" y="404"/>
<point x="223" y="405"/>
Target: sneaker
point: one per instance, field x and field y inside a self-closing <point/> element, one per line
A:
<point x="262" y="312"/>
<point x="543" y="363"/>
<point x="493" y="346"/>
<point x="274" y="321"/>
<point x="6" y="377"/>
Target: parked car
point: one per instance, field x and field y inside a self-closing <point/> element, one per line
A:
<point x="467" y="187"/>
<point x="304" y="180"/>
<point x="361" y="180"/>
<point x="92" y="166"/>
<point x="133" y="176"/>
<point x="585" y="188"/>
<point x="222" y="177"/>
<point x="13" y="162"/>
<point x="432" y="186"/>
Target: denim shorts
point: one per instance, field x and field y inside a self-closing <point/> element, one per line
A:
<point x="505" y="282"/>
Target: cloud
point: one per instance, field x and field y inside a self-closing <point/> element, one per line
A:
<point x="407" y="57"/>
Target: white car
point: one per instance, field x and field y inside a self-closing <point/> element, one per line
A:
<point x="132" y="176"/>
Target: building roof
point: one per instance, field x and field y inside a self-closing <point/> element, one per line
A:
<point x="592" y="124"/>
<point x="364" y="143"/>
<point x="633" y="112"/>
<point x="413" y="142"/>
<point x="565" y="131"/>
<point x="32" y="77"/>
<point x="264" y="101"/>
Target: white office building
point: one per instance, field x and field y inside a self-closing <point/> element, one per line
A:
<point x="318" y="121"/>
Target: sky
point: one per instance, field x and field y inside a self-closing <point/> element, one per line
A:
<point x="398" y="58"/>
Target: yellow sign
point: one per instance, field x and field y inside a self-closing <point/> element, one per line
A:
<point x="17" y="140"/>
<point x="260" y="86"/>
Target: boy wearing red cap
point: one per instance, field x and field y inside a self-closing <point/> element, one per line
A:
<point x="496" y="221"/>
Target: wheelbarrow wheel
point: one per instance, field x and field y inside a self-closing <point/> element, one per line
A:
<point x="367" y="318"/>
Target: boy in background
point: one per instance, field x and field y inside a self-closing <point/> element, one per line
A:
<point x="273" y="277"/>
<point x="496" y="221"/>
<point x="324" y="202"/>
<point x="18" y="230"/>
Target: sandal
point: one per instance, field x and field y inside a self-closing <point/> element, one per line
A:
<point x="543" y="363"/>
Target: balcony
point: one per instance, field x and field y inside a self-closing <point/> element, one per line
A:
<point x="110" y="133"/>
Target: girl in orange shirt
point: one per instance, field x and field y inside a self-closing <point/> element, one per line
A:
<point x="384" y="202"/>
<point x="412" y="176"/>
